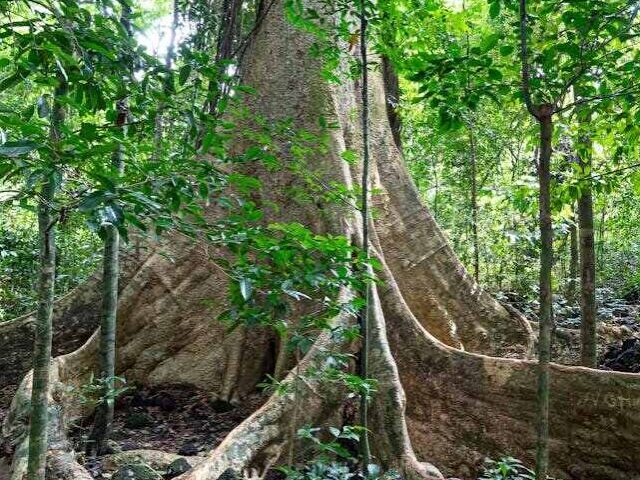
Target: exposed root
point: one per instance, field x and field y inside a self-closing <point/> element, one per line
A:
<point x="62" y="465"/>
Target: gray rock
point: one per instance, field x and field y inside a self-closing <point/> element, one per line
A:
<point x="177" y="467"/>
<point x="136" y="472"/>
<point x="229" y="474"/>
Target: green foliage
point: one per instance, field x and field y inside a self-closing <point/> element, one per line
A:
<point x="76" y="260"/>
<point x="101" y="390"/>
<point x="333" y="457"/>
<point x="507" y="468"/>
<point x="460" y="75"/>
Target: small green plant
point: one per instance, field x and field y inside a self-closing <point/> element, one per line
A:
<point x="332" y="458"/>
<point x="101" y="390"/>
<point x="506" y="468"/>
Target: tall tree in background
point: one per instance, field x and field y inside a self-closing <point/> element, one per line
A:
<point x="574" y="260"/>
<point x="597" y="33"/>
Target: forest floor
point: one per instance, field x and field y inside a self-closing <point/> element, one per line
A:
<point x="623" y="356"/>
<point x="182" y="420"/>
<point x="176" y="419"/>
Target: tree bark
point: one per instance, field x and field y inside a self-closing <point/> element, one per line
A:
<point x="364" y="185"/>
<point x="544" y="115"/>
<point x="546" y="293"/>
<point x="474" y="204"/>
<point x="230" y="16"/>
<point x="111" y="270"/>
<point x="107" y="352"/>
<point x="588" y="336"/>
<point x="392" y="96"/>
<point x="46" y="285"/>
<point x="42" y="347"/>
<point x="574" y="260"/>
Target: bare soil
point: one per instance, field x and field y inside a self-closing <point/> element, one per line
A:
<point x="171" y="418"/>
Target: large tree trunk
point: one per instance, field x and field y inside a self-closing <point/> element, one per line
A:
<point x="430" y="326"/>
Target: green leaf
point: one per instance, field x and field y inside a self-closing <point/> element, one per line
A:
<point x="349" y="156"/>
<point x="506" y="50"/>
<point x="98" y="48"/>
<point x="16" y="149"/>
<point x="245" y="288"/>
<point x="489" y="42"/>
<point x="495" y="74"/>
<point x="183" y="76"/>
<point x="10" y="81"/>
<point x="494" y="9"/>
<point x="635" y="182"/>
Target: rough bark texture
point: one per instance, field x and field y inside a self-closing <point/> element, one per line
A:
<point x="474" y="204"/>
<point x="572" y="283"/>
<point x="107" y="350"/>
<point x="546" y="293"/>
<point x="75" y="318"/>
<point x="43" y="337"/>
<point x="46" y="285"/>
<point x="392" y="95"/>
<point x="588" y="309"/>
<point x="460" y="406"/>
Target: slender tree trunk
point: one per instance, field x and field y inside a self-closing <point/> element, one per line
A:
<point x="365" y="314"/>
<point x="601" y="232"/>
<point x="46" y="285"/>
<point x="573" y="261"/>
<point x="110" y="272"/>
<point x="436" y="185"/>
<point x="588" y="336"/>
<point x="474" y="204"/>
<point x="546" y="294"/>
<point x="231" y="10"/>
<point x="104" y="413"/>
<point x="544" y="115"/>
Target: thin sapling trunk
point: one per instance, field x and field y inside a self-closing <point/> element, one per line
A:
<point x="546" y="293"/>
<point x="573" y="261"/>
<point x="46" y="284"/>
<point x="588" y="335"/>
<point x="543" y="114"/>
<point x="364" y="323"/>
<point x="110" y="272"/>
<point x="474" y="204"/>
